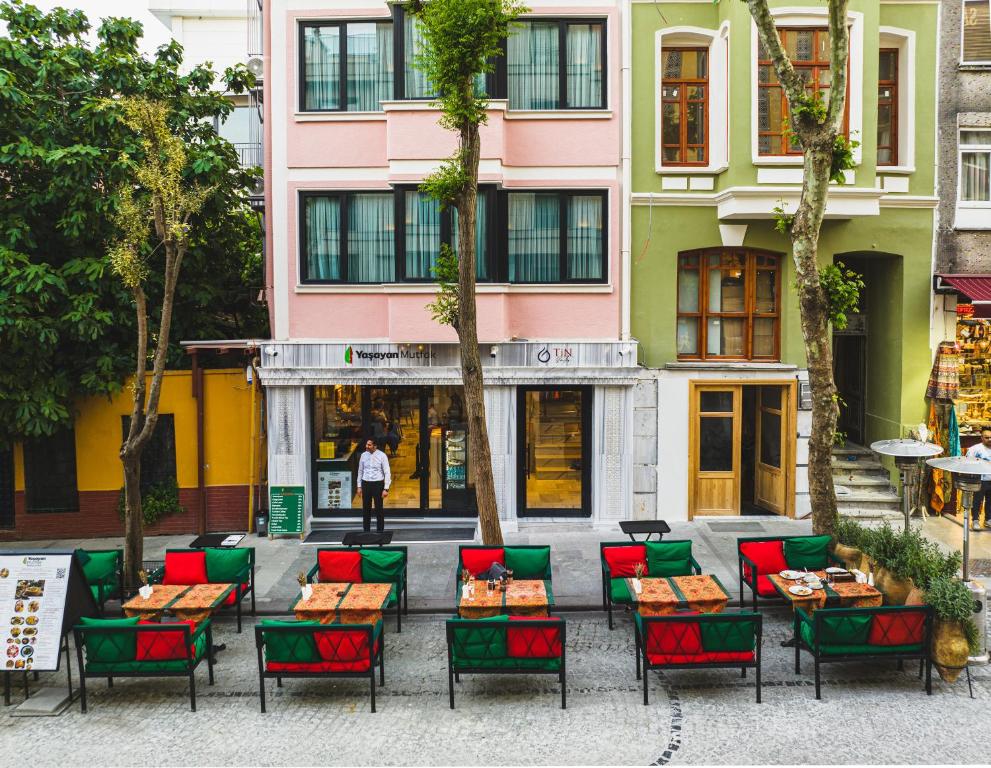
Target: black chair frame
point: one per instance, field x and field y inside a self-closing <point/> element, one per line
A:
<point x="402" y="590"/>
<point x="752" y="584"/>
<point x="106" y="592"/>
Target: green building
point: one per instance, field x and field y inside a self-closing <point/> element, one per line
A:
<point x="713" y="300"/>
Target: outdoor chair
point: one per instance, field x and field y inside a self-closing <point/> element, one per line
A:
<point x="104" y="571"/>
<point x="526" y="561"/>
<point x="377" y="565"/>
<point x="759" y="557"/>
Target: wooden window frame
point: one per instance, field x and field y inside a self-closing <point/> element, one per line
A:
<point x="682" y="101"/>
<point x="966" y="19"/>
<point x="817" y="66"/>
<point x="749" y="314"/>
<point x="892" y="101"/>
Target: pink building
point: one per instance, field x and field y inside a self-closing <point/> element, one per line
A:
<point x="350" y="132"/>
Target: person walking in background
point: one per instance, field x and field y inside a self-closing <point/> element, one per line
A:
<point x="374" y="479"/>
<point x="982" y="450"/>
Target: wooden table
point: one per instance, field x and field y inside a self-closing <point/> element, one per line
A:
<point x="845" y="594"/>
<point x="523" y="597"/>
<point x="162" y="598"/>
<point x="344" y="603"/>
<point x="665" y="596"/>
<point x="200" y="601"/>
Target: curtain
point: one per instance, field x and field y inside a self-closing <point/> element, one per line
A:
<point x="417" y="86"/>
<point x="976" y="176"/>
<point x="369" y="48"/>
<point x="481" y="252"/>
<point x="532" y="66"/>
<point x="584" y="47"/>
<point x="322" y="57"/>
<point x="323" y="238"/>
<point x="585" y="238"/>
<point x="422" y="236"/>
<point x="534" y="238"/>
<point x="371" y="239"/>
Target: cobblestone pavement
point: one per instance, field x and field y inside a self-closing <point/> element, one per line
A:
<point x="868" y="714"/>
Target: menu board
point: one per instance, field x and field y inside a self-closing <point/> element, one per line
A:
<point x="285" y="509"/>
<point x="33" y="591"/>
<point x="333" y="490"/>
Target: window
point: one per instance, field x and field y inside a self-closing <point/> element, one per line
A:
<point x="556" y="64"/>
<point x="396" y="236"/>
<point x="976" y="32"/>
<point x="158" y="457"/>
<point x="975" y="166"/>
<point x="50" y="473"/>
<point x="887" y="107"/>
<point x="684" y="98"/>
<point x="728" y="304"/>
<point x="347" y="66"/>
<point x="809" y="51"/>
<point x="412" y="83"/>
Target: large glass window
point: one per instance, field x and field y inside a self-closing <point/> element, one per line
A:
<point x="347" y="66"/>
<point x="555" y="236"/>
<point x="50" y="473"/>
<point x="976" y="33"/>
<point x="887" y="107"/>
<point x="975" y="166"/>
<point x="362" y="250"/>
<point x="556" y="64"/>
<point x="684" y="99"/>
<point x="728" y="304"/>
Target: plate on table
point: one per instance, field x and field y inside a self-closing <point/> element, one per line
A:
<point x="793" y="575"/>
<point x="800" y="591"/>
<point x="836" y="569"/>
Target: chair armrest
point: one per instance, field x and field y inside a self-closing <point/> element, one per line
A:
<point x="311" y="574"/>
<point x="804" y="618"/>
<point x="156" y="576"/>
<point x="243" y="576"/>
<point x="696" y="568"/>
<point x="746" y="561"/>
<point x="203" y="626"/>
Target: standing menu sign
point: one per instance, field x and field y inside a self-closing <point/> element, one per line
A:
<point x="285" y="510"/>
<point x="33" y="592"/>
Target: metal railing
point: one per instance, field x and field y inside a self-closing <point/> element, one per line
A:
<point x="250" y="154"/>
<point x="256" y="28"/>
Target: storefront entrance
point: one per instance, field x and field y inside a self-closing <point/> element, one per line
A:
<point x="553" y="471"/>
<point x="741" y="448"/>
<point x="421" y="429"/>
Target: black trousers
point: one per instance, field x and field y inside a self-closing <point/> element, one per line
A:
<point x="982" y="496"/>
<point x="371" y="490"/>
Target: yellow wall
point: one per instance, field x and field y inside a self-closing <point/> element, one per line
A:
<point x="226" y="429"/>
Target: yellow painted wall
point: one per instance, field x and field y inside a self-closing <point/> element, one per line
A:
<point x="226" y="429"/>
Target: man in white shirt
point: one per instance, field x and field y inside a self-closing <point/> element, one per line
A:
<point x="982" y="450"/>
<point x="374" y="479"/>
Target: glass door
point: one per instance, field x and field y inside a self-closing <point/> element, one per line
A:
<point x="714" y="446"/>
<point x="772" y="422"/>
<point x="553" y="453"/>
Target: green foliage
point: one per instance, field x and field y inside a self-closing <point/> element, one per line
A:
<point x="157" y="502"/>
<point x="811" y="108"/>
<point x="444" y="309"/>
<point x="953" y="601"/>
<point x="842" y="158"/>
<point x="66" y="329"/>
<point x="446" y="183"/>
<point x="907" y="554"/>
<point x="782" y="219"/>
<point x="842" y="287"/>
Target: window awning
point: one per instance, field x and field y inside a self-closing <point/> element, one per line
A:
<point x="977" y="288"/>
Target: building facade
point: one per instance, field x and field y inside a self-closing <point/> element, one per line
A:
<point x="713" y="299"/>
<point x="350" y="132"/>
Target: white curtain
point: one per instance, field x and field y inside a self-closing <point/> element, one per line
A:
<point x="323" y="238"/>
<point x="585" y="238"/>
<point x="481" y="252"/>
<point x="417" y="85"/>
<point x="532" y="65"/>
<point x="584" y="45"/>
<point x="369" y="48"/>
<point x="322" y="71"/>
<point x="976" y="176"/>
<point x="371" y="239"/>
<point x="422" y="236"/>
<point x="534" y="238"/>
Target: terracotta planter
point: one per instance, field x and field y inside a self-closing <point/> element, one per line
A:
<point x="849" y="555"/>
<point x="864" y="564"/>
<point x="895" y="590"/>
<point x="916" y="597"/>
<point x="950" y="649"/>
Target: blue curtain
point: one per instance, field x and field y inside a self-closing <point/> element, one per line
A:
<point x="533" y="66"/>
<point x="422" y="236"/>
<point x="534" y="238"/>
<point x="322" y="67"/>
<point x="481" y="227"/>
<point x="323" y="238"/>
<point x="371" y="238"/>
<point x="584" y="45"/>
<point x="585" y="238"/>
<point x="369" y="48"/>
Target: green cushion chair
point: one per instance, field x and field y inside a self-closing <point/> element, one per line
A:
<point x="103" y="569"/>
<point x="379" y="565"/>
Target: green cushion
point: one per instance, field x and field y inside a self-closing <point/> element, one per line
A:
<point x="672" y="558"/>
<point x="109" y="589"/>
<point x="736" y="636"/>
<point x="227" y="566"/>
<point x="290" y="647"/>
<point x="380" y="566"/>
<point x="842" y="649"/>
<point x="619" y="591"/>
<point x="847" y="630"/>
<point x="528" y="563"/>
<point x="810" y="552"/>
<point x="507" y="663"/>
<point x="99" y="565"/>
<point x="478" y="640"/>
<point x="109" y="647"/>
<point x="151" y="667"/>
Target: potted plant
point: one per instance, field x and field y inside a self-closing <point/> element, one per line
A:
<point x="638" y="571"/>
<point x="848" y="544"/>
<point x="955" y="635"/>
<point x="145" y="590"/>
<point x="305" y="589"/>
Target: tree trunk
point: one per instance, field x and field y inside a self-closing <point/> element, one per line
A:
<point x="133" y="520"/>
<point x="479" y="451"/>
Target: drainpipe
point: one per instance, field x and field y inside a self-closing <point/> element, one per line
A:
<point x="253" y="439"/>
<point x="626" y="183"/>
<point x="199" y="395"/>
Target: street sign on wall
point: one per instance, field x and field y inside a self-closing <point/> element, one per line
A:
<point x="285" y="510"/>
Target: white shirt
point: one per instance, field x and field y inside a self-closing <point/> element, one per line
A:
<point x="978" y="451"/>
<point x="374" y="467"/>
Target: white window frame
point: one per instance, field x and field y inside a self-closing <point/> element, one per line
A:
<point x="904" y="41"/>
<point x="971" y="214"/>
<point x="818" y="18"/>
<point x="717" y="129"/>
<point x="963" y="61"/>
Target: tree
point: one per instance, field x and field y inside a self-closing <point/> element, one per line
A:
<point x="815" y="124"/>
<point x="461" y="39"/>
<point x="65" y="328"/>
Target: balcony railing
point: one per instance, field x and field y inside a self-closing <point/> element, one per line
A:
<point x="255" y="28"/>
<point x="250" y="154"/>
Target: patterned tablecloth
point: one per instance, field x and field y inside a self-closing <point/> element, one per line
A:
<point x="664" y="596"/>
<point x="162" y="597"/>
<point x="201" y="601"/>
<point x="522" y="597"/>
<point x="344" y="603"/>
<point x="846" y="594"/>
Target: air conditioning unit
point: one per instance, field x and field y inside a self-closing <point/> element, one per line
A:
<point x="256" y="66"/>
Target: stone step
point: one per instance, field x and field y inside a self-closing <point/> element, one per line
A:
<point x="862" y="463"/>
<point x="871" y="516"/>
<point x="851" y="450"/>
<point x="862" y="480"/>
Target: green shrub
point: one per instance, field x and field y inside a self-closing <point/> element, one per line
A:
<point x="157" y="501"/>
<point x="951" y="600"/>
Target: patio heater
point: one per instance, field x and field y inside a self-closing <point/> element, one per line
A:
<point x="967" y="477"/>
<point x="906" y="452"/>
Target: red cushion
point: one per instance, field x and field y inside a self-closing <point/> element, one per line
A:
<point x="162" y="646"/>
<point x="348" y="649"/>
<point x="339" y="567"/>
<point x="765" y="588"/>
<point x="897" y="628"/>
<point x="675" y="637"/>
<point x="534" y="642"/>
<point x="768" y="556"/>
<point x="232" y="597"/>
<point x="478" y="560"/>
<point x="185" y="568"/>
<point x="621" y="560"/>
<point x="316" y="666"/>
<point x="710" y="657"/>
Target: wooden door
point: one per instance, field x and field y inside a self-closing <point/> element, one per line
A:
<point x="715" y="450"/>
<point x="771" y="484"/>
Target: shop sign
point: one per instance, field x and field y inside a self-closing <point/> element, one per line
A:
<point x="285" y="510"/>
<point x="33" y="591"/>
<point x="556" y="355"/>
<point x="965" y="310"/>
<point x="369" y="358"/>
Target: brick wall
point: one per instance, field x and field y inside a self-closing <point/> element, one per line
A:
<point x="227" y="510"/>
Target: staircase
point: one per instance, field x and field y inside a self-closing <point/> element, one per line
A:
<point x="863" y="487"/>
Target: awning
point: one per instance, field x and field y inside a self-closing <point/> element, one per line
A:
<point x="977" y="288"/>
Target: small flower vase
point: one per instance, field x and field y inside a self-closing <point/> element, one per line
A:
<point x="637" y="586"/>
<point x="466" y="592"/>
<point x="307" y="590"/>
<point x="145" y="591"/>
<point x="870" y="579"/>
